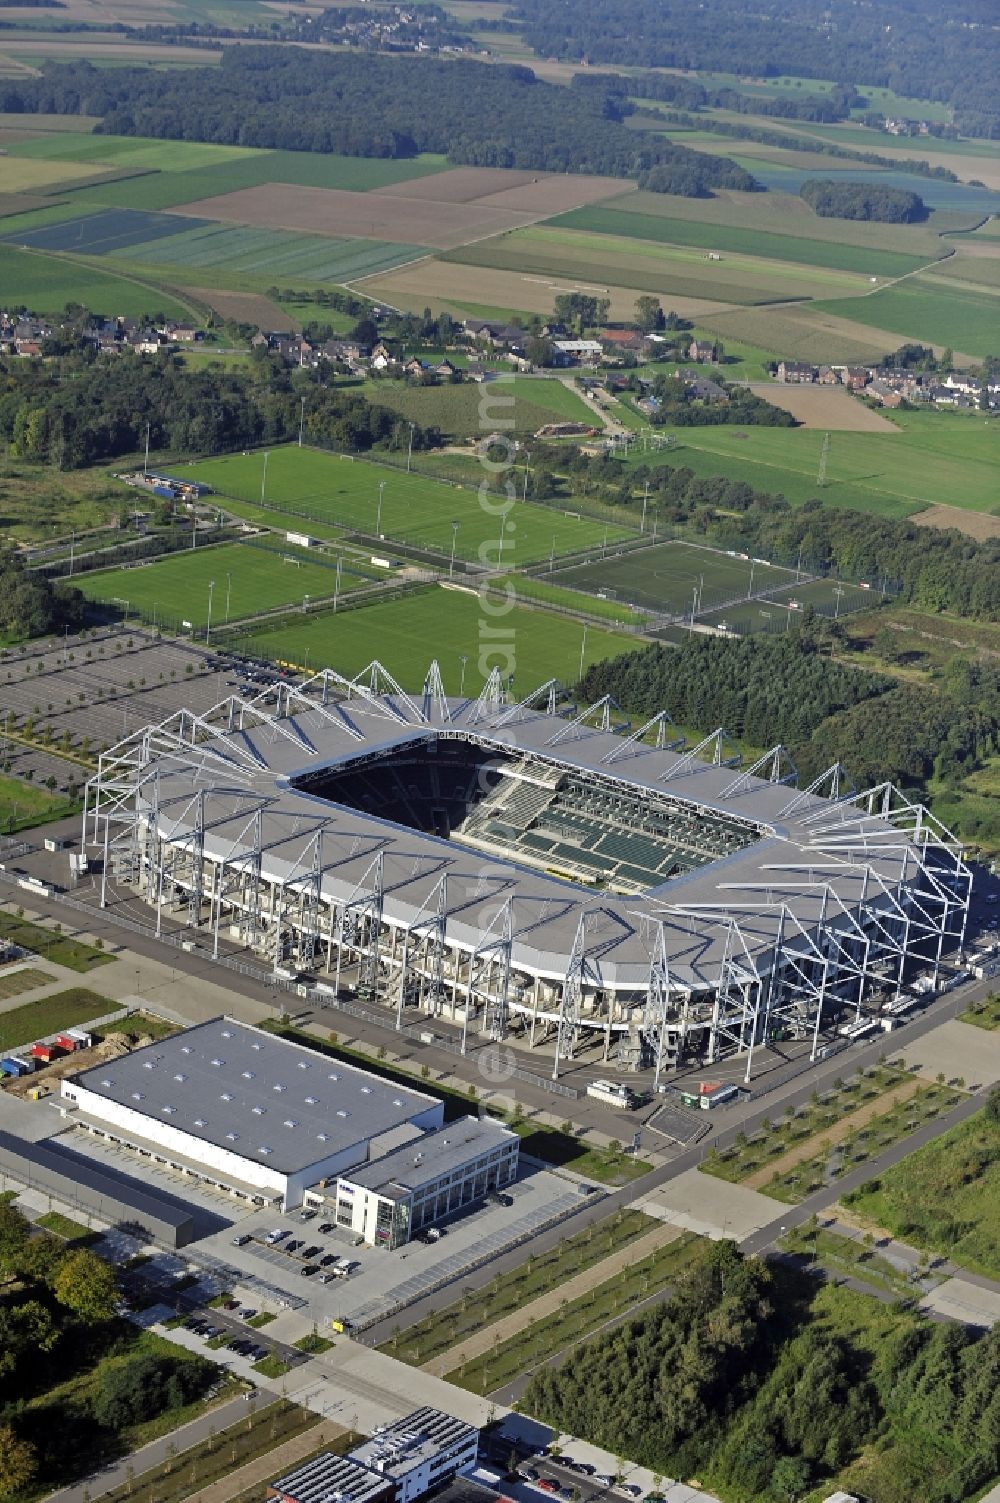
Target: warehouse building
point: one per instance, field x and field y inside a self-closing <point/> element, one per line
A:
<point x="433" y="1177"/>
<point x="400" y="1463"/>
<point x="82" y="1185"/>
<point x="253" y="1114"/>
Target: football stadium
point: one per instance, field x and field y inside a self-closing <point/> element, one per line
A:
<point x="555" y="877"/>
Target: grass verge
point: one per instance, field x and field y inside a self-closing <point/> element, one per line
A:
<point x="57" y="948"/>
<point x="36" y="1020"/>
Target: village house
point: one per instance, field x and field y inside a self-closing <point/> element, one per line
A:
<point x="797" y="371"/>
<point x="702" y="352"/>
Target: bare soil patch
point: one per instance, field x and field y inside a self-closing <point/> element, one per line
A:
<point x="20" y="203"/>
<point x="370" y="216"/>
<point x="462" y="185"/>
<point x="246" y="308"/>
<point x="451" y="284"/>
<point x="823" y="407"/>
<point x="556" y="194"/>
<point x="975" y="524"/>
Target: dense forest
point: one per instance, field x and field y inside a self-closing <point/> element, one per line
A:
<point x="372" y="106"/>
<point x="951" y="55"/>
<point x="81" y="410"/>
<point x="764" y="1388"/>
<point x="833" y="200"/>
<point x="784" y="688"/>
<point x="32" y="606"/>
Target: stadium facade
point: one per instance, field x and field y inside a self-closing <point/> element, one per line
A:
<point x="557" y="878"/>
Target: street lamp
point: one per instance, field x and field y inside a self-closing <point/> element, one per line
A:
<point x="263" y="479"/>
<point x="302" y="417"/>
<point x="305" y="603"/>
<point x="409" y="452"/>
<point x="378" y="518"/>
<point x="208" y="627"/>
<point x="524" y="489"/>
<point x="583" y="650"/>
<point x="454" y="540"/>
<point x="229" y="586"/>
<point x="463" y="660"/>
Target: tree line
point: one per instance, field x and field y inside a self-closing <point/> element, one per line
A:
<point x="832" y="200"/>
<point x="83" y="409"/>
<point x="33" y="606"/>
<point x="753" y="1380"/>
<point x="951" y="55"/>
<point x="373" y="106"/>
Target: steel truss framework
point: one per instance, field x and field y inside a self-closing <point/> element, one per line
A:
<point x="878" y="880"/>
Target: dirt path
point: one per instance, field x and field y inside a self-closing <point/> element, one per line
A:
<point x="835" y="1134"/>
<point x="546" y="1304"/>
<point x="273" y="1463"/>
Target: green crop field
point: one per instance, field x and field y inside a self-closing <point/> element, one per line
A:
<point x="176" y="588"/>
<point x="664" y="576"/>
<point x="924" y="310"/>
<point x="268" y="254"/>
<point x="415" y="510"/>
<point x="662" y="270"/>
<point x="935" y="457"/>
<point x="46" y="283"/>
<point x="139" y="153"/>
<point x="720" y="237"/>
<point x="406" y="634"/>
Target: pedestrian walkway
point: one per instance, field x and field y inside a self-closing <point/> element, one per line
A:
<point x="761" y="1178"/>
<point x="546" y="1304"/>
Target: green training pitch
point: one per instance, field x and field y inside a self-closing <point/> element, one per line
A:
<point x="784" y="608"/>
<point x="924" y="310"/>
<point x="247" y="580"/>
<point x="47" y="283"/>
<point x="666" y="577"/>
<point x="462" y="411"/>
<point x="446" y="624"/>
<point x="414" y="510"/>
<point x="935" y="457"/>
<point x="721" y="237"/>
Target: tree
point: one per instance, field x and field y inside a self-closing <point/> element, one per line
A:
<point x="649" y="316"/>
<point x="14" y="1229"/>
<point x="87" y="1286"/>
<point x="581" y="309"/>
<point x="18" y="1463"/>
<point x="790" y="1477"/>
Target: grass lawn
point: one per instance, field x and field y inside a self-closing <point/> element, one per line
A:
<point x="664" y="576"/>
<point x="271" y="1367"/>
<point x="408" y="633"/>
<point x="248" y="579"/>
<point x="945" y="1197"/>
<point x="36" y="1020"/>
<point x="265" y="1427"/>
<point x="985" y="1014"/>
<point x="840" y="1254"/>
<point x="415" y="510"/>
<point x="263" y="1319"/>
<point x="25" y="804"/>
<point x="540" y="1272"/>
<point x="47" y="282"/>
<point x="313" y="1344"/>
<point x="540" y="590"/>
<point x="62" y="1226"/>
<point x="925" y="310"/>
<point x="934" y="457"/>
<point x="471" y="410"/>
<point x="12" y="983"/>
<point x="577" y="1319"/>
<point x="833" y="1161"/>
<point x="58" y="948"/>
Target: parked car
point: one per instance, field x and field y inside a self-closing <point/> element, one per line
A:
<point x="308" y="1271"/>
<point x="326" y="1228"/>
<point x="311" y="1252"/>
<point x="527" y="1472"/>
<point x="327" y="1259"/>
<point x="242" y="1239"/>
<point x="308" y="1214"/>
<point x="326" y="1278"/>
<point x="547" y="1485"/>
<point x="603" y="1480"/>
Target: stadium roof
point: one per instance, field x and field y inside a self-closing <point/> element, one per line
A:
<point x="807" y="846"/>
<point x="246" y="1090"/>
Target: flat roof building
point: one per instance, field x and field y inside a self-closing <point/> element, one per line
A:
<point x="399" y="1463"/>
<point x="242" y="1108"/>
<point x="390" y="1198"/>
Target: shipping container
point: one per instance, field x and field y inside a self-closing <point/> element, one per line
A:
<point x="64" y="1041"/>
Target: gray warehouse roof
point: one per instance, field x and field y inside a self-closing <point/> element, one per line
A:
<point x="396" y="1449"/>
<point x="110" y="1195"/>
<point x="330" y="1479"/>
<point x="245" y="1090"/>
<point x="424" y="1161"/>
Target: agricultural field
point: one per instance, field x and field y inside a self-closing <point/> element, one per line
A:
<point x="665" y="576"/>
<point x="659" y="268"/>
<point x="622" y="222"/>
<point x="945" y="1197"/>
<point x="408" y="633"/>
<point x="827" y="407"/>
<point x="933" y="457"/>
<point x="247" y="580"/>
<point x="927" y="311"/>
<point x="414" y="509"/>
<point x="47" y="283"/>
<point x="530" y="402"/>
